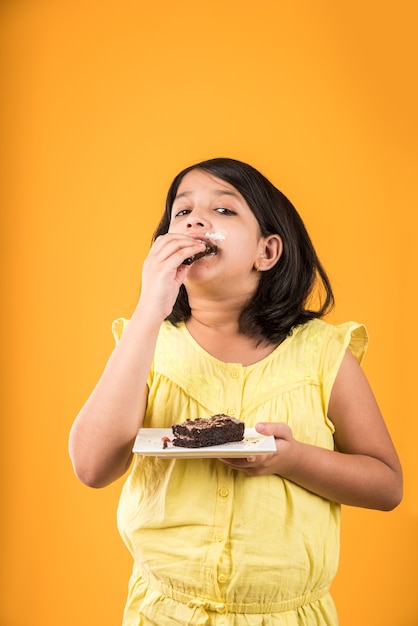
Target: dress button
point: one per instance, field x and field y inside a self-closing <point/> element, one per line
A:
<point x="221" y="578"/>
<point x="223" y="492"/>
<point x="231" y="411"/>
<point x="235" y="374"/>
<point x="219" y="537"/>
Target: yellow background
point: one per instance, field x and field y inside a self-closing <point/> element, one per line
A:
<point x="102" y="103"/>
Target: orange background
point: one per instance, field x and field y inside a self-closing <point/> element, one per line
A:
<point x="103" y="102"/>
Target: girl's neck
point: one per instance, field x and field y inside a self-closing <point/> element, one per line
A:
<point x="215" y="316"/>
<point x="211" y="324"/>
<point x="217" y="332"/>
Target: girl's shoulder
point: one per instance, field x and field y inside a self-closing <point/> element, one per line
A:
<point x="118" y="327"/>
<point x="167" y="329"/>
<point x="331" y="339"/>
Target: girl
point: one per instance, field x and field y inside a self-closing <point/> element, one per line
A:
<point x="244" y="541"/>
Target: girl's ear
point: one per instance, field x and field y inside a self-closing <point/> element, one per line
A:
<point x="271" y="248"/>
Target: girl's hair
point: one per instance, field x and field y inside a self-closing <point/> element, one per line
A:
<point x="282" y="298"/>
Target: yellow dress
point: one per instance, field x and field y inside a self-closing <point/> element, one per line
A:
<point x="211" y="545"/>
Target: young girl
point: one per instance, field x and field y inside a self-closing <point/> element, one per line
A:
<point x="241" y="541"/>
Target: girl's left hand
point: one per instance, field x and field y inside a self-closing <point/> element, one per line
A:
<point x="264" y="464"/>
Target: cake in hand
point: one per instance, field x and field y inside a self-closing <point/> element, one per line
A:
<point x="210" y="250"/>
<point x="211" y="431"/>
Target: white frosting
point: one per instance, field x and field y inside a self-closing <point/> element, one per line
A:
<point x="219" y="236"/>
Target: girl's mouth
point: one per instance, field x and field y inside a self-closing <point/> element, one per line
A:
<point x="211" y="248"/>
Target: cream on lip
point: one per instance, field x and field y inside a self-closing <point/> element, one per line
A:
<point x="218" y="236"/>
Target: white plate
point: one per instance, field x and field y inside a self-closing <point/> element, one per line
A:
<point x="149" y="442"/>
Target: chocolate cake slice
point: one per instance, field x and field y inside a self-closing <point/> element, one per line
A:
<point x="211" y="431"/>
<point x="210" y="250"/>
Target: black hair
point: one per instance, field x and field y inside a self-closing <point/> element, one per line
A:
<point x="284" y="293"/>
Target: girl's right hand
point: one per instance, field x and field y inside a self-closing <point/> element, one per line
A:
<point x="102" y="435"/>
<point x="163" y="272"/>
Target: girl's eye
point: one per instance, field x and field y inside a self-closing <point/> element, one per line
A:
<point x="225" y="211"/>
<point x="182" y="212"/>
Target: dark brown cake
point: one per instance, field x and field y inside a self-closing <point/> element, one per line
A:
<point x="211" y="431"/>
<point x="209" y="250"/>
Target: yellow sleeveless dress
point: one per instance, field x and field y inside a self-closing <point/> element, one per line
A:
<point x="211" y="545"/>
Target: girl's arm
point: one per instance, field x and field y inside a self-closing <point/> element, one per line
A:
<point x="102" y="435"/>
<point x="364" y="470"/>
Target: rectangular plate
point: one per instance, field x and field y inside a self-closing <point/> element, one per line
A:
<point x="149" y="442"/>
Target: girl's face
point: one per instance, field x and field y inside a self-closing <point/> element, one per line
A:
<point x="206" y="205"/>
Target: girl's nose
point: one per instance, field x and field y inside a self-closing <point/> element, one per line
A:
<point x="196" y="221"/>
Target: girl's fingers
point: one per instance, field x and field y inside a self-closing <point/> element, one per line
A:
<point x="178" y="247"/>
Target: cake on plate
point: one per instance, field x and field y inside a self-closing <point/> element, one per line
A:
<point x="211" y="431"/>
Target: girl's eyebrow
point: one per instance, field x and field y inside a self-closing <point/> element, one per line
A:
<point x="220" y="192"/>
